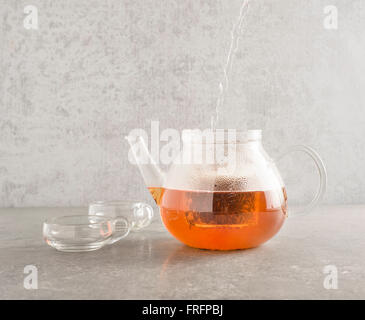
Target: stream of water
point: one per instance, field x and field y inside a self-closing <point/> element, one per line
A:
<point x="227" y="69"/>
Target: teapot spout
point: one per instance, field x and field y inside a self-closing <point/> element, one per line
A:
<point x="152" y="175"/>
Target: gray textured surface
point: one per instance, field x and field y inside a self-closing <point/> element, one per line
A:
<point x="153" y="265"/>
<point x="94" y="70"/>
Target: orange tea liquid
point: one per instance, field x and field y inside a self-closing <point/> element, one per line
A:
<point x="221" y="220"/>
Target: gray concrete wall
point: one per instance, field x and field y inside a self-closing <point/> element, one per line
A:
<point x="94" y="70"/>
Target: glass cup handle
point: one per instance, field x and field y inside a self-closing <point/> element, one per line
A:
<point x="142" y="216"/>
<point x="120" y="227"/>
<point x="322" y="176"/>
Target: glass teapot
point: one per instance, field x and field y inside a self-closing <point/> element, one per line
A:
<point x="222" y="191"/>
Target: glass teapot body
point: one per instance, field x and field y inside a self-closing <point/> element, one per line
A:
<point x="222" y="193"/>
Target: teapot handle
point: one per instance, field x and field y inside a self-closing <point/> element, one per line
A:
<point x="322" y="176"/>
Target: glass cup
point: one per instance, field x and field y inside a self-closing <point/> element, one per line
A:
<point x="138" y="214"/>
<point x="80" y="233"/>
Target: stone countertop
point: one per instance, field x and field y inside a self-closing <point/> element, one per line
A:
<point x="153" y="265"/>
